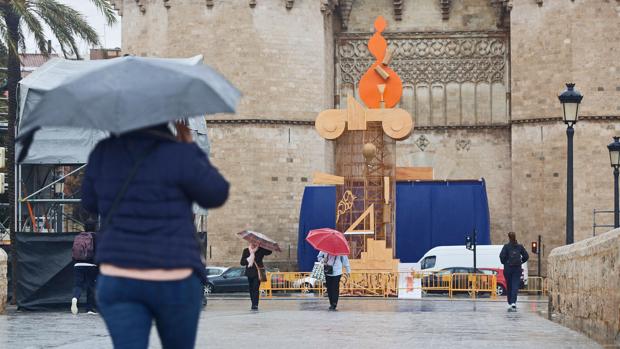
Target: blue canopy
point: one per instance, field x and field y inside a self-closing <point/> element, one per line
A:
<point x="428" y="214"/>
<point x="439" y="213"/>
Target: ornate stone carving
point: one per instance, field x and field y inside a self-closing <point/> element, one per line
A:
<point x="252" y="3"/>
<point x="289" y="4"/>
<point x="398" y="9"/>
<point x="209" y="3"/>
<point x="422" y="142"/>
<point x="502" y="9"/>
<point x="141" y="5"/>
<point x="423" y="58"/>
<point x="328" y="6"/>
<point x="463" y="144"/>
<point x="345" y="12"/>
<point x="118" y="6"/>
<point x="445" y="9"/>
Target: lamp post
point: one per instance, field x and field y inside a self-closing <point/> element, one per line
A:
<point x="570" y="100"/>
<point x="614" y="157"/>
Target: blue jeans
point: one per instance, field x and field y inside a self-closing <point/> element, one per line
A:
<point x="513" y="278"/>
<point x="84" y="279"/>
<point x="129" y="307"/>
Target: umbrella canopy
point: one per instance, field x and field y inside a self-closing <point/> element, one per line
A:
<point x="329" y="240"/>
<point x="128" y="93"/>
<point x="260" y="239"/>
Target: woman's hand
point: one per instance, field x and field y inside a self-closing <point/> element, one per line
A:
<point x="183" y="133"/>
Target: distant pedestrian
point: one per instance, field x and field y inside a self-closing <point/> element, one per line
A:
<point x="512" y="256"/>
<point x="333" y="272"/>
<point x="143" y="184"/>
<point x="252" y="259"/>
<point x="84" y="270"/>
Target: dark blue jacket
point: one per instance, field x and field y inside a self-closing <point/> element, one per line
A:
<point x="153" y="226"/>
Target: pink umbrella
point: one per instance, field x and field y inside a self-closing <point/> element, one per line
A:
<point x="329" y="240"/>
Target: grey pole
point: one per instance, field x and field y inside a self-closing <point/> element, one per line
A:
<point x="616" y="205"/>
<point x="570" y="131"/>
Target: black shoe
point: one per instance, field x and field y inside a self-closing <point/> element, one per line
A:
<point x="255" y="307"/>
<point x="332" y="308"/>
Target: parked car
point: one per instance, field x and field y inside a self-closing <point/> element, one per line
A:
<point x="502" y="285"/>
<point x="436" y="279"/>
<point x="215" y="271"/>
<point x="306" y="284"/>
<point x="231" y="280"/>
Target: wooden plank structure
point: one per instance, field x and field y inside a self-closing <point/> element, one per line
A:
<point x="366" y="159"/>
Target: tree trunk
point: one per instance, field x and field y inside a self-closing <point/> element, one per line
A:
<point x="13" y="76"/>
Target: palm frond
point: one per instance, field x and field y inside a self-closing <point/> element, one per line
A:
<point x="32" y="23"/>
<point x="66" y="23"/>
<point x="107" y="10"/>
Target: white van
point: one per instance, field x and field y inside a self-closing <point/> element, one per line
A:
<point x="487" y="256"/>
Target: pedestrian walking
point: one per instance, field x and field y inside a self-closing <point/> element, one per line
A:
<point x="333" y="272"/>
<point x="84" y="268"/>
<point x="512" y="256"/>
<point x="143" y="183"/>
<point x="252" y="259"/>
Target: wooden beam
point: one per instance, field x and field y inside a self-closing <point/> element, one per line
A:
<point x="326" y="178"/>
<point x="414" y="173"/>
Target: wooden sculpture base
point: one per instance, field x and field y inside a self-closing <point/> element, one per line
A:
<point x="377" y="258"/>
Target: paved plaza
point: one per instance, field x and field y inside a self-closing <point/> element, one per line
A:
<point x="306" y="323"/>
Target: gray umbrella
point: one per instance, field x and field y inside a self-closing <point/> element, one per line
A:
<point x="128" y="93"/>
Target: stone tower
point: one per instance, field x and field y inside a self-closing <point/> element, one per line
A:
<point x="480" y="78"/>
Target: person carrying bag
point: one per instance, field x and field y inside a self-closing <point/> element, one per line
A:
<point x="332" y="266"/>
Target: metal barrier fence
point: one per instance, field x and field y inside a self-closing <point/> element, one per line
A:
<point x="382" y="284"/>
<point x="535" y="284"/>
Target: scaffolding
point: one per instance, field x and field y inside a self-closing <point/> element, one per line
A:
<point x="365" y="186"/>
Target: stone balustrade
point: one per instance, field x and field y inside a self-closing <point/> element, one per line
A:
<point x="584" y="286"/>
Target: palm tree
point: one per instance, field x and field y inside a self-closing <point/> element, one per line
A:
<point x="67" y="25"/>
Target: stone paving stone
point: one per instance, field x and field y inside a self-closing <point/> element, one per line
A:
<point x="306" y="323"/>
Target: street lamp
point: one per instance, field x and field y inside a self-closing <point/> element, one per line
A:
<point x="614" y="157"/>
<point x="570" y="100"/>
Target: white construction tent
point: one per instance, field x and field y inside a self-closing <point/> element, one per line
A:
<point x="56" y="153"/>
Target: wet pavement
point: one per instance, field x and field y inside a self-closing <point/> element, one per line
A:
<point x="306" y="323"/>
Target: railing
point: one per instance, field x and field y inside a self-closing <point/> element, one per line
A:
<point x="535" y="284"/>
<point x="382" y="284"/>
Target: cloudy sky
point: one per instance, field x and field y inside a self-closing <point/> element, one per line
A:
<point x="110" y="37"/>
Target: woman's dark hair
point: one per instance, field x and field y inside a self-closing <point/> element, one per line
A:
<point x="90" y="226"/>
<point x="512" y="237"/>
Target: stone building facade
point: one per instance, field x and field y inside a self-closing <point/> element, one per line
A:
<point x="481" y="79"/>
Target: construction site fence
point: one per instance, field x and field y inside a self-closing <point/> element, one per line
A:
<point x="387" y="284"/>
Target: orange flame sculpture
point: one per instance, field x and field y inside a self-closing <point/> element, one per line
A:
<point x="380" y="87"/>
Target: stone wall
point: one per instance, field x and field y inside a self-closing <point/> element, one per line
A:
<point x="583" y="283"/>
<point x="4" y="287"/>
<point x="564" y="41"/>
<point x="467" y="154"/>
<point x="267" y="178"/>
<point x="539" y="181"/>
<point x="281" y="58"/>
<point x="551" y="44"/>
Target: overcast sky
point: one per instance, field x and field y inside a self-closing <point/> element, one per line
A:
<point x="110" y="37"/>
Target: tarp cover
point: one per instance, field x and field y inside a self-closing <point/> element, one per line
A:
<point x="44" y="270"/>
<point x="318" y="210"/>
<point x="62" y="145"/>
<point x="428" y="214"/>
<point x="439" y="213"/>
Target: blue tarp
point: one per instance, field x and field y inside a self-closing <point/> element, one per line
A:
<point x="439" y="213"/>
<point x="318" y="210"/>
<point x="428" y="214"/>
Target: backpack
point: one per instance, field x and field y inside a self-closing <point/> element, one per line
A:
<point x="514" y="256"/>
<point x="83" y="247"/>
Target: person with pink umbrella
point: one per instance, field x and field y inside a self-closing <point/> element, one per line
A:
<point x="334" y="251"/>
